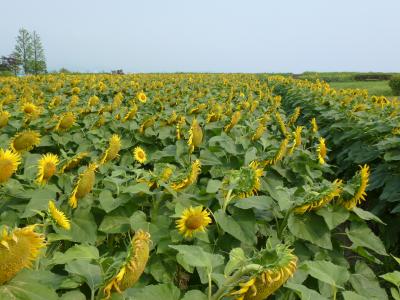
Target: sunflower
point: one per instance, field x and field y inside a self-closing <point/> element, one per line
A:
<point x="259" y="132"/>
<point x="47" y="168"/>
<point x="117" y="101"/>
<point x="18" y="249"/>
<point x="130" y="114"/>
<point x="93" y="101"/>
<point x="25" y="141"/>
<point x="321" y="197"/>
<point x="279" y="154"/>
<point x="30" y="109"/>
<point x="245" y="181"/>
<point x="295" y="116"/>
<point x="58" y="216"/>
<point x="140" y="155"/>
<point x="195" y="135"/>
<point x="234" y="120"/>
<point x="113" y="149"/>
<point x="9" y="162"/>
<point x="276" y="268"/>
<point x="281" y="123"/>
<point x="192" y="220"/>
<point x="321" y="151"/>
<point x="134" y="265"/>
<point x="179" y="124"/>
<point x="4" y="116"/>
<point x="142" y="97"/>
<point x="84" y="185"/>
<point x="73" y="162"/>
<point x="189" y="178"/>
<point x="66" y="121"/>
<point x="314" y="126"/>
<point x="360" y="183"/>
<point x="73" y="101"/>
<point x="146" y="124"/>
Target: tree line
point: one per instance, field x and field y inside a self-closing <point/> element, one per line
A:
<point x="28" y="56"/>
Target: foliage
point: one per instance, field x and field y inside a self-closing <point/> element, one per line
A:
<point x="187" y="186"/>
<point x="394" y="84"/>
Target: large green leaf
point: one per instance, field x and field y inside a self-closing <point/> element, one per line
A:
<point x="197" y="257"/>
<point x="362" y="236"/>
<point x="327" y="272"/>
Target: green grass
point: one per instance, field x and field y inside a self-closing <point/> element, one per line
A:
<point x="378" y="88"/>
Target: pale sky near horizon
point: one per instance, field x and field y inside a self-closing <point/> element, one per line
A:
<point x="210" y="35"/>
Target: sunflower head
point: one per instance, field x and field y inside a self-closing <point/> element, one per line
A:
<point x="25" y="141"/>
<point x="189" y="177"/>
<point x="114" y="145"/>
<point x="30" y="109"/>
<point x="9" y="162"/>
<point x="359" y="184"/>
<point x="195" y="135"/>
<point x="281" y="123"/>
<point x="84" y="185"/>
<point x="93" y="101"/>
<point x="47" y="167"/>
<point x="259" y="132"/>
<point x="192" y="220"/>
<point x="4" y="116"/>
<point x="73" y="162"/>
<point x="314" y="126"/>
<point x="58" y="216"/>
<point x="66" y="121"/>
<point x="321" y="151"/>
<point x="139" y="155"/>
<point x="234" y="120"/>
<point x="142" y="97"/>
<point x="18" y="249"/>
<point x="294" y="116"/>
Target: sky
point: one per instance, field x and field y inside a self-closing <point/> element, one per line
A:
<point x="209" y="35"/>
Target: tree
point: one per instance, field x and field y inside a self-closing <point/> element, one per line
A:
<point x="10" y="63"/>
<point x="38" y="63"/>
<point x="23" y="49"/>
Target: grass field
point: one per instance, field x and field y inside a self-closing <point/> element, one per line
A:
<point x="377" y="88"/>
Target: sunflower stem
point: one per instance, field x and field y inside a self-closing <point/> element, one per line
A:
<point x="228" y="199"/>
<point x="209" y="286"/>
<point x="283" y="225"/>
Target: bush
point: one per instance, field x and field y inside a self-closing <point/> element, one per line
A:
<point x="372" y="76"/>
<point x="394" y="84"/>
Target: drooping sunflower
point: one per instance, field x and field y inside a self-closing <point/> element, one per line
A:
<point x="192" y="220"/>
<point x="73" y="101"/>
<point x="47" y="167"/>
<point x="140" y="155"/>
<point x="9" y="162"/>
<point x="320" y="196"/>
<point x="276" y="267"/>
<point x="259" y="132"/>
<point x="58" y="216"/>
<point x="187" y="179"/>
<point x="296" y="138"/>
<point x="281" y="123"/>
<point x="359" y="183"/>
<point x="146" y="124"/>
<point x="18" y="249"/>
<point x="321" y="151"/>
<point x="161" y="174"/>
<point x="314" y="126"/>
<point x="179" y="125"/>
<point x="114" y="145"/>
<point x="294" y="116"/>
<point x="279" y="155"/>
<point x="66" y="121"/>
<point x="84" y="185"/>
<point x="130" y="114"/>
<point x="4" y="116"/>
<point x="142" y="97"/>
<point x="234" y="120"/>
<point x="25" y="141"/>
<point x="195" y="135"/>
<point x="133" y="266"/>
<point x="246" y="181"/>
<point x="73" y="162"/>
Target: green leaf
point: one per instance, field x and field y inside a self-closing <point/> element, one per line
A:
<point x="241" y="225"/>
<point x="159" y="291"/>
<point x="195" y="256"/>
<point x="141" y="187"/>
<point x="83" y="227"/>
<point x="76" y="252"/>
<point x="39" y="201"/>
<point x="26" y="288"/>
<point x="366" y="215"/>
<point x="107" y="202"/>
<point x="257" y="202"/>
<point x="90" y="272"/>
<point x="304" y="292"/>
<point x="350" y="295"/>
<point x="327" y="272"/>
<point x="393" y="277"/>
<point x="312" y="228"/>
<point x="250" y="155"/>
<point x="73" y="295"/>
<point x="236" y="259"/>
<point x="362" y="236"/>
<point x="208" y="159"/>
<point x="333" y="215"/>
<point x="213" y="186"/>
<point x="194" y="295"/>
<point x="115" y="224"/>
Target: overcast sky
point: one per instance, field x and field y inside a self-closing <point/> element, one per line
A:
<point x="210" y="35"/>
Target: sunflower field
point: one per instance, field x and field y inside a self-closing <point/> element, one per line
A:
<point x="196" y="187"/>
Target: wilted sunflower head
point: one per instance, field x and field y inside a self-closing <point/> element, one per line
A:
<point x="358" y="184"/>
<point x="47" y="167"/>
<point x="192" y="220"/>
<point x="139" y="155"/>
<point x="25" y="141"/>
<point x="9" y="162"/>
<point x="4" y="116"/>
<point x="244" y="182"/>
<point x="74" y="162"/>
<point x="18" y="249"/>
<point x="84" y="185"/>
<point x="188" y="177"/>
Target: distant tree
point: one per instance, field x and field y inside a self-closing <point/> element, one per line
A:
<point x="23" y="50"/>
<point x="38" y="62"/>
<point x="10" y="63"/>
